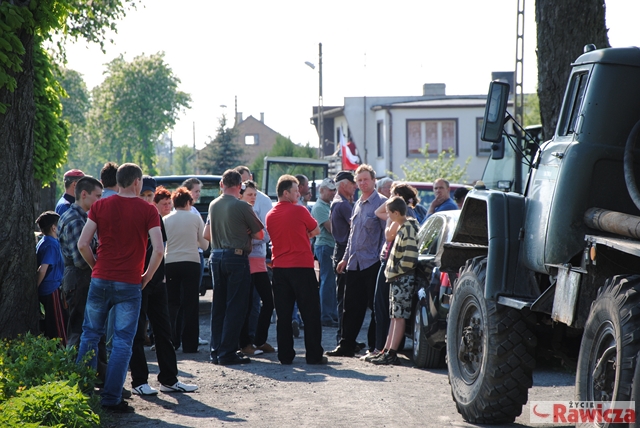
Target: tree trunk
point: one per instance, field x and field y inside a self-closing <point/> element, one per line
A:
<point x="19" y="311"/>
<point x="564" y="28"/>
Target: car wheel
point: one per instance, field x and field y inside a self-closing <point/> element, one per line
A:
<point x="424" y="355"/>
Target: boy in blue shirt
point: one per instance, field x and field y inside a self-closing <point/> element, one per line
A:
<point x="49" y="277"/>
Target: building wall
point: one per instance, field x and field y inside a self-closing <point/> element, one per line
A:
<point x="263" y="137"/>
<point x="466" y="137"/>
<point x="393" y="123"/>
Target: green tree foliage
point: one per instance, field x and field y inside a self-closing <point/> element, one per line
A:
<point x="429" y="169"/>
<point x="222" y="152"/>
<point x="183" y="160"/>
<point x="51" y="132"/>
<point x="283" y="147"/>
<point x="135" y="104"/>
<point x="77" y="102"/>
<point x="531" y="110"/>
<point x="75" y="108"/>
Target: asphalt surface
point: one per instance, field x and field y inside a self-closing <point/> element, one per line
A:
<point x="346" y="392"/>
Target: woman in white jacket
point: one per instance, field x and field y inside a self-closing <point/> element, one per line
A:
<point x="182" y="266"/>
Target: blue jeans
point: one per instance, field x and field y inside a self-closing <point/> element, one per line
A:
<point x="125" y="300"/>
<point x="328" y="301"/>
<point x="232" y="282"/>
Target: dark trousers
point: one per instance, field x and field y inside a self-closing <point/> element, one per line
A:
<point x="300" y="285"/>
<point x="341" y="280"/>
<point x="155" y="306"/>
<point x="231" y="285"/>
<point x="182" y="291"/>
<point x="358" y="295"/>
<point x="259" y="284"/>
<point x="55" y="316"/>
<point x="75" y="285"/>
<point x="381" y="308"/>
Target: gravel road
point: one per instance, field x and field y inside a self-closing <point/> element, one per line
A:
<point x="346" y="392"/>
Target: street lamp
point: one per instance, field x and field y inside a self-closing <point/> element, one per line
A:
<point x="320" y="102"/>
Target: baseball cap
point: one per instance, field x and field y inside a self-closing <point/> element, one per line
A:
<point x="328" y="183"/>
<point x="148" y="183"/>
<point x="74" y="173"/>
<point x="345" y="175"/>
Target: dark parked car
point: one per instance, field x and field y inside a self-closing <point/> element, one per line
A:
<point x="428" y="325"/>
<point x="210" y="190"/>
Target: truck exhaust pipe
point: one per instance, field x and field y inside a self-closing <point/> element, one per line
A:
<point x="613" y="222"/>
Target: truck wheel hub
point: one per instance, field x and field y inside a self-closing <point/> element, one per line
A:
<point x="470" y="349"/>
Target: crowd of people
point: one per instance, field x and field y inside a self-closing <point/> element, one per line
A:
<point x="114" y="271"/>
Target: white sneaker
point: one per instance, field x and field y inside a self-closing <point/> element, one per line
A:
<point x="178" y="387"/>
<point x="201" y="341"/>
<point x="144" y="389"/>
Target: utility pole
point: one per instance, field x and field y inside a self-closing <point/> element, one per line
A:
<point x="518" y="93"/>
<point x="195" y="152"/>
<point x="320" y="106"/>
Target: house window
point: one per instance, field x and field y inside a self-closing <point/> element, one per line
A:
<point x="251" y="140"/>
<point x="439" y="134"/>
<point x="380" y="136"/>
<point x="483" y="148"/>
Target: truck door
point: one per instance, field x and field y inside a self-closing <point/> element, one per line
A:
<point x="542" y="204"/>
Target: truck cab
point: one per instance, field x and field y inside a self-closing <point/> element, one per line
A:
<point x="542" y="256"/>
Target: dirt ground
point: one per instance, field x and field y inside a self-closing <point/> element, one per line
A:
<point x="346" y="392"/>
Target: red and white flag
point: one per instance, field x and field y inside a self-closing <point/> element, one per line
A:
<point x="350" y="158"/>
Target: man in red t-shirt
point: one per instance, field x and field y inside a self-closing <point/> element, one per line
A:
<point x="291" y="227"/>
<point x="122" y="224"/>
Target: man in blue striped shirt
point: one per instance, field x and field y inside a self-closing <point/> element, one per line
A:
<point x="362" y="263"/>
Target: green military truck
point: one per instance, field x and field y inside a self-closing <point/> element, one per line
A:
<point x="556" y="257"/>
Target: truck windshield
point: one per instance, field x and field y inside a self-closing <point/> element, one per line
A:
<point x="571" y="112"/>
<point x="502" y="170"/>
<point x="275" y="169"/>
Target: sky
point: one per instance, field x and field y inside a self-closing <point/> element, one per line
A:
<point x="256" y="51"/>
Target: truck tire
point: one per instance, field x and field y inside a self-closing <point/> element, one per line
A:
<point x="610" y="343"/>
<point x="490" y="351"/>
<point x="424" y="355"/>
<point x="635" y="391"/>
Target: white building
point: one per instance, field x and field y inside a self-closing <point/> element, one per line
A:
<point x="390" y="131"/>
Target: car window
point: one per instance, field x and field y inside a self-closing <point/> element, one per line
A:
<point x="430" y="235"/>
<point x="209" y="191"/>
<point x="427" y="196"/>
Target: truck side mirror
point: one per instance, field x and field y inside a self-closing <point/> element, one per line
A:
<point x="497" y="150"/>
<point x="495" y="111"/>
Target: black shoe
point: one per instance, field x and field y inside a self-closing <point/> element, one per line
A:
<point x="213" y="358"/>
<point x="340" y="351"/>
<point x="387" y="359"/>
<point x="286" y="363"/>
<point x="359" y="347"/>
<point x="121" y="407"/>
<point x="321" y="361"/>
<point x="296" y="329"/>
<point x="126" y="393"/>
<point x="234" y="360"/>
